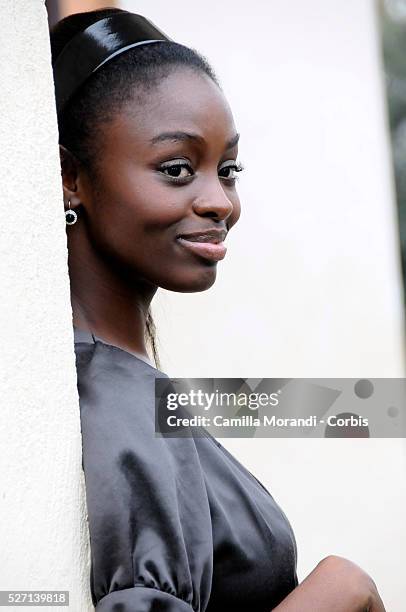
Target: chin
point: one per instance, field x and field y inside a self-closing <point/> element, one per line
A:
<point x="192" y="282"/>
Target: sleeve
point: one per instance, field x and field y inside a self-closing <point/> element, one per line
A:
<point x="148" y="511"/>
<point x="142" y="599"/>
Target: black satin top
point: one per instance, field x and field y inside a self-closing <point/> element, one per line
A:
<point x="176" y="524"/>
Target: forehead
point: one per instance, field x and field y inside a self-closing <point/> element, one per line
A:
<point x="184" y="100"/>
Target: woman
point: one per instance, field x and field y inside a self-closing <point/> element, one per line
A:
<point x="149" y="161"/>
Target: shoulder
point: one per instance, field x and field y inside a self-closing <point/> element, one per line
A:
<point x="116" y="390"/>
<point x="101" y="361"/>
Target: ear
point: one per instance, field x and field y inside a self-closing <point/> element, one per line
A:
<point x="70" y="172"/>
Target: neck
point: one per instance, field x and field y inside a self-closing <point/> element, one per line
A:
<point x="105" y="299"/>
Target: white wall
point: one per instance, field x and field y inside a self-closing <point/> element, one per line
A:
<point x="43" y="532"/>
<point x="311" y="282"/>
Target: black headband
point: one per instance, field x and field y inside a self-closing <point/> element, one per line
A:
<point x="90" y="49"/>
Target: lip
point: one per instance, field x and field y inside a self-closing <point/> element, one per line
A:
<point x="208" y="244"/>
<point x="213" y="235"/>
<point x="208" y="250"/>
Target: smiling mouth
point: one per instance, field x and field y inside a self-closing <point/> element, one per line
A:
<point x="208" y="244"/>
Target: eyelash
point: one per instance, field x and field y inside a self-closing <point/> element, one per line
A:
<point x="236" y="166"/>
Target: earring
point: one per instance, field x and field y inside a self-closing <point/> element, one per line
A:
<point x="70" y="215"/>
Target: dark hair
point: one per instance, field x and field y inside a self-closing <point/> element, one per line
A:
<point x="129" y="75"/>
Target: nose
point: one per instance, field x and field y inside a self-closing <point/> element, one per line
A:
<point x="213" y="202"/>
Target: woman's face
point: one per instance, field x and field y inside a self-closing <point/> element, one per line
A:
<point x="165" y="193"/>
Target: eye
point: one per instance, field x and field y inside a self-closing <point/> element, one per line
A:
<point x="228" y="170"/>
<point x="178" y="170"/>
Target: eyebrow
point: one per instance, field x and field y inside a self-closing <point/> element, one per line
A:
<point x="187" y="136"/>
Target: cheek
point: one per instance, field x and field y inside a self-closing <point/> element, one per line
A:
<point x="133" y="217"/>
<point x="137" y="201"/>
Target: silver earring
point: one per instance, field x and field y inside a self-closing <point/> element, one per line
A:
<point x="70" y="215"/>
